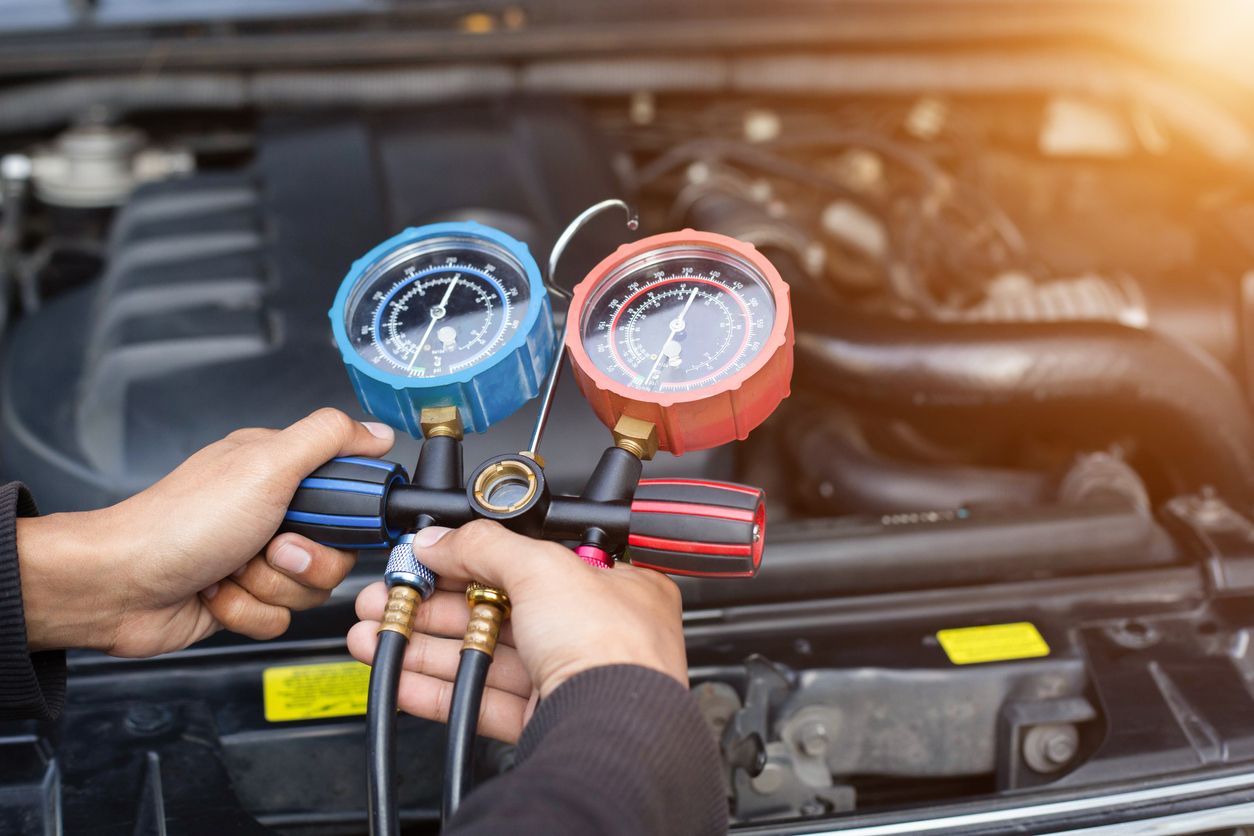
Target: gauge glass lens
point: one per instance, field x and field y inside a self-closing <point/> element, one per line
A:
<point x="437" y="307"/>
<point x="678" y="319"/>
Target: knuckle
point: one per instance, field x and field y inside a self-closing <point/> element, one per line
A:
<point x="261" y="461"/>
<point x="233" y="613"/>
<point x="443" y="697"/>
<point x="422" y="647"/>
<point x="422" y="621"/>
<point x="370" y="602"/>
<point x="424" y="618"/>
<point x="335" y="421"/>
<point x="338" y="565"/>
<point x="315" y="598"/>
<point x="272" y="626"/>
<point x="267" y="585"/>
<point x="477" y="532"/>
<point x="240" y="436"/>
<point x="667" y="586"/>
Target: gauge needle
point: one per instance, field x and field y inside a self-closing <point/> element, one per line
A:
<point x="437" y="313"/>
<point x="677" y="325"/>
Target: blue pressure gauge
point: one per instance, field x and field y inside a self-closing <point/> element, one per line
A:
<point x="452" y="314"/>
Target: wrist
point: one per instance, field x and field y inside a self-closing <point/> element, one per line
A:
<point x="561" y="673"/>
<point x="67" y="600"/>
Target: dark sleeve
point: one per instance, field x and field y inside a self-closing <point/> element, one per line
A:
<point x="32" y="685"/>
<point x="618" y="750"/>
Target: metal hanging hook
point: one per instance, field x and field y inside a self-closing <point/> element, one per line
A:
<point x="572" y="229"/>
<point x="550" y="282"/>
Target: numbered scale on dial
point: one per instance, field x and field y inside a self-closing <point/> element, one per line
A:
<point x="690" y="330"/>
<point x="445" y="315"/>
<point x="678" y="319"/>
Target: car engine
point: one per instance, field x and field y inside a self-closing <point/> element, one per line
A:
<point x="1019" y="432"/>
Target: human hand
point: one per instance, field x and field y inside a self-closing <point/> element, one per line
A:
<point x="566" y="617"/>
<point x="195" y="552"/>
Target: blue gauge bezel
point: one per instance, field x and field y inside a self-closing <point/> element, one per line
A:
<point x="467" y="229"/>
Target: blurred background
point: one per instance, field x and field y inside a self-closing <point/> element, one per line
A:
<point x="1020" y="242"/>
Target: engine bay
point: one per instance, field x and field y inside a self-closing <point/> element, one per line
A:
<point x="1009" y="549"/>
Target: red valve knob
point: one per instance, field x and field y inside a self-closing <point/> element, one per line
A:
<point x="697" y="528"/>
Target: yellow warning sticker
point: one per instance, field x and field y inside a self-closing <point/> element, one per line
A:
<point x="993" y="643"/>
<point x="307" y="692"/>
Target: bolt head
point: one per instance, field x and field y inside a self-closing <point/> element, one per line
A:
<point x="148" y="719"/>
<point x="1060" y="749"/>
<point x="814" y="739"/>
<point x="1050" y="747"/>
<point x="769" y="780"/>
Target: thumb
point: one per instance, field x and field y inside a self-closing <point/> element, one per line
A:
<point x="488" y="552"/>
<point x="315" y="439"/>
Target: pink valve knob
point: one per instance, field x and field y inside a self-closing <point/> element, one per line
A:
<point x="595" y="557"/>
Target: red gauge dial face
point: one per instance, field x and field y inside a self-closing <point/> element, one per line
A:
<point x="678" y="319"/>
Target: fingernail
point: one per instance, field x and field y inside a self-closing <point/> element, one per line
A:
<point x="378" y="430"/>
<point x="291" y="558"/>
<point x="430" y="536"/>
<point x="240" y="571"/>
<point x="210" y="591"/>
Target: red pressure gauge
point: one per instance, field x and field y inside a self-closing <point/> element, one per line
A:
<point x="691" y="331"/>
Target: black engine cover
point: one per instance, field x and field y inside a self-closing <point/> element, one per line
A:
<point x="211" y="314"/>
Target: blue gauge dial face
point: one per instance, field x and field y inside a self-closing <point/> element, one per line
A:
<point x="437" y="307"/>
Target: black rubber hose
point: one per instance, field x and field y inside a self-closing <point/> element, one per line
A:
<point x="1083" y="377"/>
<point x="463" y="720"/>
<point x="385" y="677"/>
<point x="837" y="472"/>
<point x="928" y="550"/>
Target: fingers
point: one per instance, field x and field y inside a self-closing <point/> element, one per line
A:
<point x="443" y="614"/>
<point x="238" y="611"/>
<point x="323" y="435"/>
<point x="373" y="598"/>
<point x="312" y="564"/>
<point x="500" y="714"/>
<point x="439" y="657"/>
<point x="294" y="572"/>
<point x="660" y="581"/>
<point x="490" y="553"/>
<point x="426" y="688"/>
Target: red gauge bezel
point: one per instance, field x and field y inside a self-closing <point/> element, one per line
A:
<point x="774" y="387"/>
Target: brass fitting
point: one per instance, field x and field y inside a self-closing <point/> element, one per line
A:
<point x="508" y="471"/>
<point x="636" y="436"/>
<point x="436" y="421"/>
<point x="398" y="615"/>
<point x="489" y="607"/>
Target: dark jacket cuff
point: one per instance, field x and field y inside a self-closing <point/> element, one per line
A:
<point x="639" y="739"/>
<point x="32" y="685"/>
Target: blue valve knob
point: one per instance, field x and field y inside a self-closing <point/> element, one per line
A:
<point x="344" y="503"/>
<point x="451" y="314"/>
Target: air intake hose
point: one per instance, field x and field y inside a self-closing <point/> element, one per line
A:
<point x="1084" y="376"/>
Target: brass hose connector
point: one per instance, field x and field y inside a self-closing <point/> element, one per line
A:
<point x="489" y="607"/>
<point x="441" y="421"/>
<point x="637" y="437"/>
<point x="398" y="615"/>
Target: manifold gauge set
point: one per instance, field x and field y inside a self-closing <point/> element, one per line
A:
<point x="680" y="341"/>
